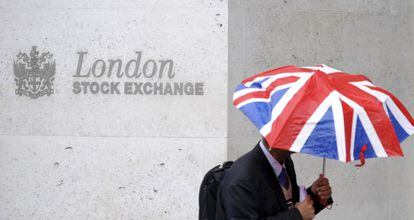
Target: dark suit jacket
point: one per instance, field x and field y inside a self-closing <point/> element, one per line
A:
<point x="250" y="190"/>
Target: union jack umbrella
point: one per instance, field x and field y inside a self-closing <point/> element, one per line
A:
<point x="324" y="112"/>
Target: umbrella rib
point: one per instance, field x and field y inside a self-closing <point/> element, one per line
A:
<point x="338" y="121"/>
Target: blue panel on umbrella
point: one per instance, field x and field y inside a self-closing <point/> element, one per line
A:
<point x="260" y="82"/>
<point x="361" y="139"/>
<point x="240" y="87"/>
<point x="260" y="112"/>
<point x="257" y="84"/>
<point x="401" y="133"/>
<point x="322" y="141"/>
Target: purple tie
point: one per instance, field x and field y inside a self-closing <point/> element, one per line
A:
<point x="284" y="179"/>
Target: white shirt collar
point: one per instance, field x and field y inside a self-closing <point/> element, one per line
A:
<point x="276" y="166"/>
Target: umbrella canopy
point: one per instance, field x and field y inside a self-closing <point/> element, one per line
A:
<point x="324" y="112"/>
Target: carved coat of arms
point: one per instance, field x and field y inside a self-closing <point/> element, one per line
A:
<point x="34" y="73"/>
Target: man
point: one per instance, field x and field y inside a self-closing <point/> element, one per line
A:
<point x="262" y="185"/>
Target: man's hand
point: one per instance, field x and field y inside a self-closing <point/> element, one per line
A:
<point x="322" y="188"/>
<point x="306" y="208"/>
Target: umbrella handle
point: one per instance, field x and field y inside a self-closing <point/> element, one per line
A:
<point x="323" y="202"/>
<point x="323" y="166"/>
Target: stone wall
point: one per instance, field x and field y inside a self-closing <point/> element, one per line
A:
<point x="91" y="149"/>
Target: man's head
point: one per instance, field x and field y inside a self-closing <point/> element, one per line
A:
<point x="279" y="154"/>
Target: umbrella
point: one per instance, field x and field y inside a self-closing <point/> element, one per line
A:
<point x="324" y="112"/>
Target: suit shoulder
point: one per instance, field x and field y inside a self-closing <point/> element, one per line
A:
<point x="245" y="170"/>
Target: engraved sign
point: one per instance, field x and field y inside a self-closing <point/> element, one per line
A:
<point x="104" y="77"/>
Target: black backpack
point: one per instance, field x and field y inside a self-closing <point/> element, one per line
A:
<point x="208" y="191"/>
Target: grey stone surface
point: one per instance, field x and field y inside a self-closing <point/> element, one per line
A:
<point x="95" y="156"/>
<point x="370" y="37"/>
<point x="49" y="177"/>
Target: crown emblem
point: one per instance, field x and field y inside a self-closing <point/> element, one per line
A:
<point x="34" y="73"/>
